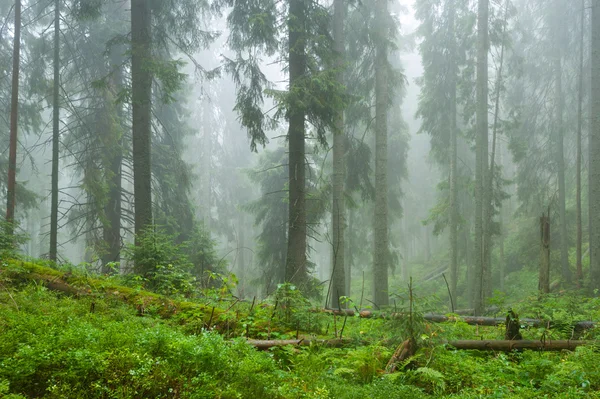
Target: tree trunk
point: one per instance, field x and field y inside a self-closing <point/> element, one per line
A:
<point x="560" y="159"/>
<point x="112" y="210"/>
<point x="14" y="112"/>
<point x="338" y="210"/>
<point x="241" y="252"/>
<point x="579" y="266"/>
<point x="594" y="152"/>
<point x="502" y="261"/>
<point x="381" y="230"/>
<point x="295" y="269"/>
<point x="544" y="278"/>
<point x="492" y="170"/>
<point x="141" y="81"/>
<point x="55" y="136"/>
<point x="453" y="157"/>
<point x="481" y="158"/>
<point x="508" y="346"/>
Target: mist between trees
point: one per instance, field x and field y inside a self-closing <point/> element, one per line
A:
<point x="340" y="146"/>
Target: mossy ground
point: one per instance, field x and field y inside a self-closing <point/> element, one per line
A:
<point x="97" y="345"/>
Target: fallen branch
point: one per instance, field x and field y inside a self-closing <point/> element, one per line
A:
<point x="507" y="346"/>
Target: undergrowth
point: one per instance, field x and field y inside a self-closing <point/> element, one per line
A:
<point x="99" y="346"/>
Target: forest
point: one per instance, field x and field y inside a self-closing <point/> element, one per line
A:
<point x="292" y="199"/>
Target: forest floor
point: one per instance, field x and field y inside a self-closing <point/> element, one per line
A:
<point x="66" y="334"/>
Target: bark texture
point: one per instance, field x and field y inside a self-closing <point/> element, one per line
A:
<point x="14" y="112"/>
<point x="544" y="275"/>
<point x="141" y="80"/>
<point x="508" y="346"/>
<point x="55" y="136"/>
<point x="481" y="158"/>
<point x="295" y="269"/>
<point x="380" y="221"/>
<point x="338" y="210"/>
<point x="594" y="152"/>
<point x="578" y="245"/>
<point x="453" y="156"/>
<point x="112" y="210"/>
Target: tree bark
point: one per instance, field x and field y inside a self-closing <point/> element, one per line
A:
<point x="578" y="256"/>
<point x="141" y="81"/>
<point x="492" y="169"/>
<point x="560" y="159"/>
<point x="453" y="157"/>
<point x="338" y="210"/>
<point x="112" y="210"/>
<point x="508" y="346"/>
<point x="544" y="276"/>
<point x="381" y="230"/>
<point x="55" y="136"/>
<point x="481" y="157"/>
<point x="14" y="112"/>
<point x="295" y="269"/>
<point x="594" y="152"/>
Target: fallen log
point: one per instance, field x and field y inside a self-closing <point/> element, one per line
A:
<point x="507" y="346"/>
<point x="264" y="344"/>
<point x="496" y="321"/>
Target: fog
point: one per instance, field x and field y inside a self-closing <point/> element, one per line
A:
<point x="431" y="189"/>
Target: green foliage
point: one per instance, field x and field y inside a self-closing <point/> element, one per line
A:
<point x="9" y="242"/>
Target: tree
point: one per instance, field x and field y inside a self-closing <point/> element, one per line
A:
<point x="579" y="239"/>
<point x="338" y="210"/>
<point x="295" y="265"/>
<point x="313" y="95"/>
<point x="55" y="135"/>
<point x="14" y="112"/>
<point x="559" y="41"/>
<point x="594" y="151"/>
<point x="381" y="252"/>
<point x="481" y="158"/>
<point x="141" y="81"/>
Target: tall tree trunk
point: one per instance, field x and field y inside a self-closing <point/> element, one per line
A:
<point x="560" y="160"/>
<point x="502" y="261"/>
<point x="338" y="210"/>
<point x="241" y="252"/>
<point x="481" y="158"/>
<point x="381" y="237"/>
<point x="594" y="152"/>
<point x="206" y="166"/>
<point x="492" y="169"/>
<point x="14" y="112"/>
<point x="55" y="136"/>
<point x="579" y="266"/>
<point x="544" y="275"/>
<point x="141" y="81"/>
<point x="295" y="269"/>
<point x="112" y="210"/>
<point x="453" y="156"/>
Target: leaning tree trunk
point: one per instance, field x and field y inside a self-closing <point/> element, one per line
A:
<point x="14" y="112"/>
<point x="55" y="136"/>
<point x="594" y="152"/>
<point x="141" y="81"/>
<point x="381" y="231"/>
<point x="338" y="210"/>
<point x="295" y="269"/>
<point x="579" y="266"/>
<point x="481" y="157"/>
